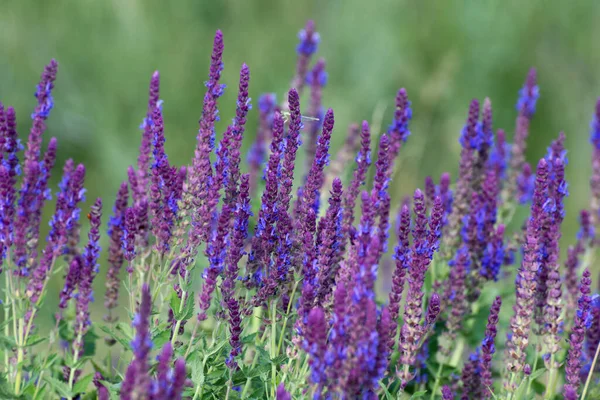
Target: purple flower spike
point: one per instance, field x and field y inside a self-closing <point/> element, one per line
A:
<point x="101" y="390"/>
<point x="573" y="365"/>
<point x="525" y="184"/>
<point x="263" y="241"/>
<point x="447" y="393"/>
<point x="500" y="154"/>
<point x="379" y="193"/>
<point x="137" y="382"/>
<point x="238" y="128"/>
<point x="329" y="243"/>
<point x="593" y="332"/>
<point x="309" y="43"/>
<point x="462" y="195"/>
<point x="282" y="394"/>
<point x="488" y="347"/>
<point x="456" y="296"/>
<point x="258" y="150"/>
<point x="402" y="256"/>
<point x="527" y="274"/>
<point x="139" y="188"/>
<point x="129" y="233"/>
<point x="317" y="79"/>
<point x="528" y="96"/>
<point x="363" y="161"/>
<point x="398" y="130"/>
<point x="115" y="251"/>
<point x="88" y="271"/>
<point x="595" y="179"/>
<point x="236" y="251"/>
<point x="314" y="180"/>
<point x="199" y="189"/>
<point x="71" y="282"/>
<point x="433" y="311"/>
<point x="316" y="346"/>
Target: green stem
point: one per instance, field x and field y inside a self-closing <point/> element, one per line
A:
<point x="287" y="315"/>
<point x="589" y="377"/>
<point x="273" y="347"/>
<point x="438" y="377"/>
<point x="535" y="361"/>
<point x="178" y="324"/>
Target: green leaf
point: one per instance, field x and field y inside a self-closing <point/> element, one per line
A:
<point x="124" y="342"/>
<point x="6" y="391"/>
<point x="175" y="303"/>
<point x="388" y="395"/>
<point x="249" y="338"/>
<point x="418" y="395"/>
<point x="34" y="339"/>
<point x="82" y="384"/>
<point x="537" y="373"/>
<point x="7" y="342"/>
<point x="280" y="359"/>
<point x="59" y="387"/>
<point x="160" y="337"/>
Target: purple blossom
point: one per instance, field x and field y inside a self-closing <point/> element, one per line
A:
<point x="116" y="254"/>
<point x="282" y="394"/>
<point x="201" y="177"/>
<point x="129" y="234"/>
<point x="528" y="95"/>
<point x="317" y="79"/>
<point x="447" y="393"/>
<point x="488" y="347"/>
<point x="258" y="149"/>
<point x="88" y="271"/>
<point x="573" y="365"/>
<point x="402" y="255"/>
<point x="137" y="381"/>
<point x="309" y="43"/>
<point x="363" y="161"/>
<point x="526" y="277"/>
<point x="398" y="130"/>
<point x="316" y="346"/>
<point x="101" y="390"/>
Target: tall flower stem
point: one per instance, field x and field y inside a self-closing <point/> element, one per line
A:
<point x="592" y="368"/>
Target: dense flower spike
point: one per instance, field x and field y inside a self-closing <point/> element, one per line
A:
<point x="139" y="187"/>
<point x="447" y="393"/>
<point x="258" y="150"/>
<point x="136" y="384"/>
<point x="363" y="161"/>
<point x="595" y="179"/>
<point x="200" y="182"/>
<point x="462" y="194"/>
<point x="582" y="319"/>
<point x="398" y="130"/>
<point x="526" y="278"/>
<point x="317" y="78"/>
<point x="309" y="43"/>
<point x="528" y="96"/>
<point x="402" y="256"/>
<point x="116" y="255"/>
<point x="89" y="270"/>
<point x="488" y="347"/>
<point x="314" y="181"/>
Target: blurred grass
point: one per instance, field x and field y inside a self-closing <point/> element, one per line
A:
<point x="443" y="52"/>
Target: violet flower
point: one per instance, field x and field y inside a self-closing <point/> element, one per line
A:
<point x="447" y="393"/>
<point x="282" y="394"/>
<point x="264" y="238"/>
<point x="398" y="130"/>
<point x="316" y="346"/>
<point x="116" y="254"/>
<point x="137" y="382"/>
<point x="582" y="318"/>
<point x="488" y="348"/>
<point x="139" y="183"/>
<point x="402" y="257"/>
<point x="363" y="161"/>
<point x="528" y="96"/>
<point x="317" y="79"/>
<point x="258" y="149"/>
<point x="309" y="43"/>
<point x="462" y="194"/>
<point x="88" y="271"/>
<point x="236" y="251"/>
<point x="329" y="243"/>
<point x="101" y="390"/>
<point x="526" y="278"/>
<point x="201" y="175"/>
<point x="595" y="179"/>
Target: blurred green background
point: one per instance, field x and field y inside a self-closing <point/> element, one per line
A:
<point x="444" y="53"/>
